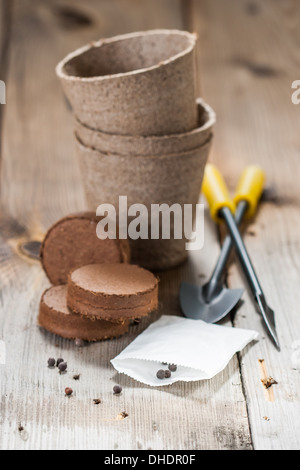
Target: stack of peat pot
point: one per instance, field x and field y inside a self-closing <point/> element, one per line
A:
<point x="140" y="129"/>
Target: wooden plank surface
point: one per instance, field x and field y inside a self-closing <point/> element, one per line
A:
<point x="5" y="23"/>
<point x="41" y="182"/>
<point x="249" y="57"/>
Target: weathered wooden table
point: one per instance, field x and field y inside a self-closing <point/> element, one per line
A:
<point x="248" y="58"/>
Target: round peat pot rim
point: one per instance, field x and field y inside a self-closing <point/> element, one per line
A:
<point x="63" y="74"/>
<point x="183" y="154"/>
<point x="203" y="107"/>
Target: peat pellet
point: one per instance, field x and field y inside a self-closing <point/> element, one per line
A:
<point x="112" y="292"/>
<point x="72" y="242"/>
<point x="56" y="317"/>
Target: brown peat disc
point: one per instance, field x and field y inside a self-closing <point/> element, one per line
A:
<point x="56" y="317"/>
<point x="112" y="292"/>
<point x="72" y="242"/>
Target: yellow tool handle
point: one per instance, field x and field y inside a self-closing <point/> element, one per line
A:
<point x="216" y="192"/>
<point x="250" y="188"/>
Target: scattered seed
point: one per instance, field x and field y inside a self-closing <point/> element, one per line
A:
<point x="97" y="401"/>
<point x="59" y="361"/>
<point x="23" y="433"/>
<point x="167" y="374"/>
<point x="62" y="366"/>
<point x="117" y="389"/>
<point x="51" y="362"/>
<point x="160" y="374"/>
<point x="172" y="367"/>
<point x="122" y="415"/>
<point x="68" y="391"/>
<point x="164" y="363"/>
<point x="79" y="343"/>
<point x="267" y="383"/>
<point x="76" y="377"/>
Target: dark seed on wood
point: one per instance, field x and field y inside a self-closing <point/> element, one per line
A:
<point x="117" y="389"/>
<point x="51" y="362"/>
<point x="62" y="366"/>
<point x="160" y="374"/>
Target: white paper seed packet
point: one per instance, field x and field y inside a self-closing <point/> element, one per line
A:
<point x="200" y="350"/>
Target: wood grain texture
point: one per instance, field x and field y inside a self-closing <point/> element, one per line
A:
<point x="202" y="415"/>
<point x="248" y="60"/>
<point x="40" y="183"/>
<point x="5" y="26"/>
